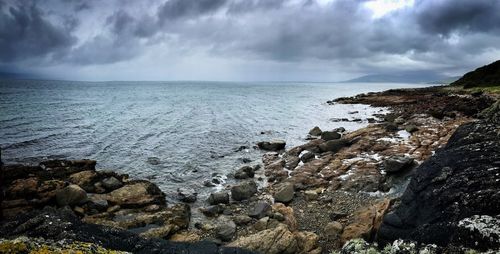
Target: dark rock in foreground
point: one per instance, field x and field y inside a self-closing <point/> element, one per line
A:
<point x="274" y="145"/>
<point x="62" y="224"/>
<point x="461" y="181"/>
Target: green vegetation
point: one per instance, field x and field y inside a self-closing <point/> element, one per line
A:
<point x="486" y="76"/>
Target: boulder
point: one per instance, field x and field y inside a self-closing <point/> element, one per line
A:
<point x="111" y="183"/>
<point x="71" y="195"/>
<point x="333" y="229"/>
<point x="212" y="211"/>
<point x="397" y="163"/>
<point x="244" y="173"/>
<point x="225" y="229"/>
<point x="244" y="190"/>
<point x="259" y="210"/>
<point x="316" y="131"/>
<point x="330" y="135"/>
<point x="23" y="188"/>
<point x="459" y="181"/>
<point x="274" y="145"/>
<point x="311" y="195"/>
<point x="284" y="193"/>
<point x="291" y="162"/>
<point x="366" y="222"/>
<point x="333" y="145"/>
<point x="270" y="241"/>
<point x="187" y="195"/>
<point x="84" y="179"/>
<point x="242" y="219"/>
<point x="137" y="195"/>
<point x="307" y="157"/>
<point x="411" y="128"/>
<point x="288" y="214"/>
<point x="216" y="198"/>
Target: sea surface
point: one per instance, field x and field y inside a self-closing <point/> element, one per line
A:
<point x="176" y="134"/>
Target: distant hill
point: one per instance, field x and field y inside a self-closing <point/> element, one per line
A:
<point x="403" y="77"/>
<point x="488" y="75"/>
<point x="18" y="75"/>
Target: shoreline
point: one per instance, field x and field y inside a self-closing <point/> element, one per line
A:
<point x="326" y="185"/>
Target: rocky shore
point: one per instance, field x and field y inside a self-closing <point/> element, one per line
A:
<point x="341" y="191"/>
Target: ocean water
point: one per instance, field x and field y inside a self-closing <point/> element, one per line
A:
<point x="176" y="134"/>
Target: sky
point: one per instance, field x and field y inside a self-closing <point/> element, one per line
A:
<point x="245" y="40"/>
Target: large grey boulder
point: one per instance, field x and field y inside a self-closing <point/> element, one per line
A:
<point x="244" y="190"/>
<point x="216" y="198"/>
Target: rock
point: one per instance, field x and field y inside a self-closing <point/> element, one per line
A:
<point x="216" y="198"/>
<point x="84" y="179"/>
<point x="459" y="181"/>
<point x="212" y="211"/>
<point x="259" y="210"/>
<point x="396" y="163"/>
<point x="316" y="131"/>
<point x="284" y="193"/>
<point x="137" y="195"/>
<point x="111" y="183"/>
<point x="411" y="128"/>
<point x="274" y="145"/>
<point x="287" y="212"/>
<point x="333" y="145"/>
<point x="270" y="241"/>
<point x="23" y="188"/>
<point x="185" y="236"/>
<point x="244" y="190"/>
<point x="399" y="120"/>
<point x="492" y="113"/>
<point x="339" y="130"/>
<point x="187" y="195"/>
<point x="208" y="183"/>
<point x="307" y="157"/>
<point x="311" y="194"/>
<point x="71" y="195"/>
<point x="261" y="224"/>
<point x="245" y="160"/>
<point x="291" y="162"/>
<point x="225" y="229"/>
<point x="242" y="219"/>
<point x="366" y="222"/>
<point x="330" y="135"/>
<point x="244" y="173"/>
<point x="333" y="229"/>
<point x="98" y="203"/>
<point x="307" y="242"/>
<point x="337" y="215"/>
<point x="390" y="126"/>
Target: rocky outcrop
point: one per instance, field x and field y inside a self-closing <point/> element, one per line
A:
<point x="459" y="181"/>
<point x="62" y="225"/>
<point x="273" y="145"/>
<point x="488" y="75"/>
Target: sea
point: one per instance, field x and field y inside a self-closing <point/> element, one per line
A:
<point x="176" y="134"/>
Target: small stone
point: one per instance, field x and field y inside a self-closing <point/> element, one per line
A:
<point x="307" y="157"/>
<point x="316" y="131"/>
<point x="330" y="135"/>
<point x="187" y="195"/>
<point x="259" y="210"/>
<point x="399" y="120"/>
<point x="208" y="183"/>
<point x="261" y="224"/>
<point x="79" y="210"/>
<point x="274" y="145"/>
<point x="333" y="229"/>
<point x="242" y="219"/>
<point x="333" y="145"/>
<point x="111" y="183"/>
<point x="284" y="193"/>
<point x="278" y="216"/>
<point x="311" y="195"/>
<point x="244" y="173"/>
<point x="397" y="163"/>
<point x="218" y="198"/>
<point x="411" y="128"/>
<point x="211" y="211"/>
<point x="225" y="229"/>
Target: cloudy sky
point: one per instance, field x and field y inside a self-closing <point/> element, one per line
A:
<point x="246" y="40"/>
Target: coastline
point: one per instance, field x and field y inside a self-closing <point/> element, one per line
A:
<point x="334" y="188"/>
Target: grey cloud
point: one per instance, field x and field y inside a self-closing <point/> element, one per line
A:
<point x="176" y="9"/>
<point x="27" y="33"/>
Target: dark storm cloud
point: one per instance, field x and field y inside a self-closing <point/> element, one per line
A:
<point x="445" y="17"/>
<point x="341" y="33"/>
<point x="26" y="32"/>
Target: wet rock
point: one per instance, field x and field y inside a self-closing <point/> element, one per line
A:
<point x="339" y="130"/>
<point x="411" y="128"/>
<point x="333" y="230"/>
<point x="225" y="229"/>
<point x="306" y="157"/>
<point x="333" y="145"/>
<point x="399" y="120"/>
<point x="284" y="193"/>
<point x="208" y="183"/>
<point x="330" y="135"/>
<point x="271" y="241"/>
<point x="244" y="190"/>
<point x="98" y="203"/>
<point x="23" y="188"/>
<point x="212" y="211"/>
<point x="259" y="210"/>
<point x="244" y="173"/>
<point x="397" y="163"/>
<point x="242" y="219"/>
<point x="187" y="195"/>
<point x="316" y="131"/>
<point x="390" y="126"/>
<point x="245" y="160"/>
<point x="459" y="181"/>
<point x="137" y="195"/>
<point x="71" y="195"/>
<point x="274" y="145"/>
<point x="216" y="198"/>
<point x="111" y="183"/>
<point x="292" y="162"/>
